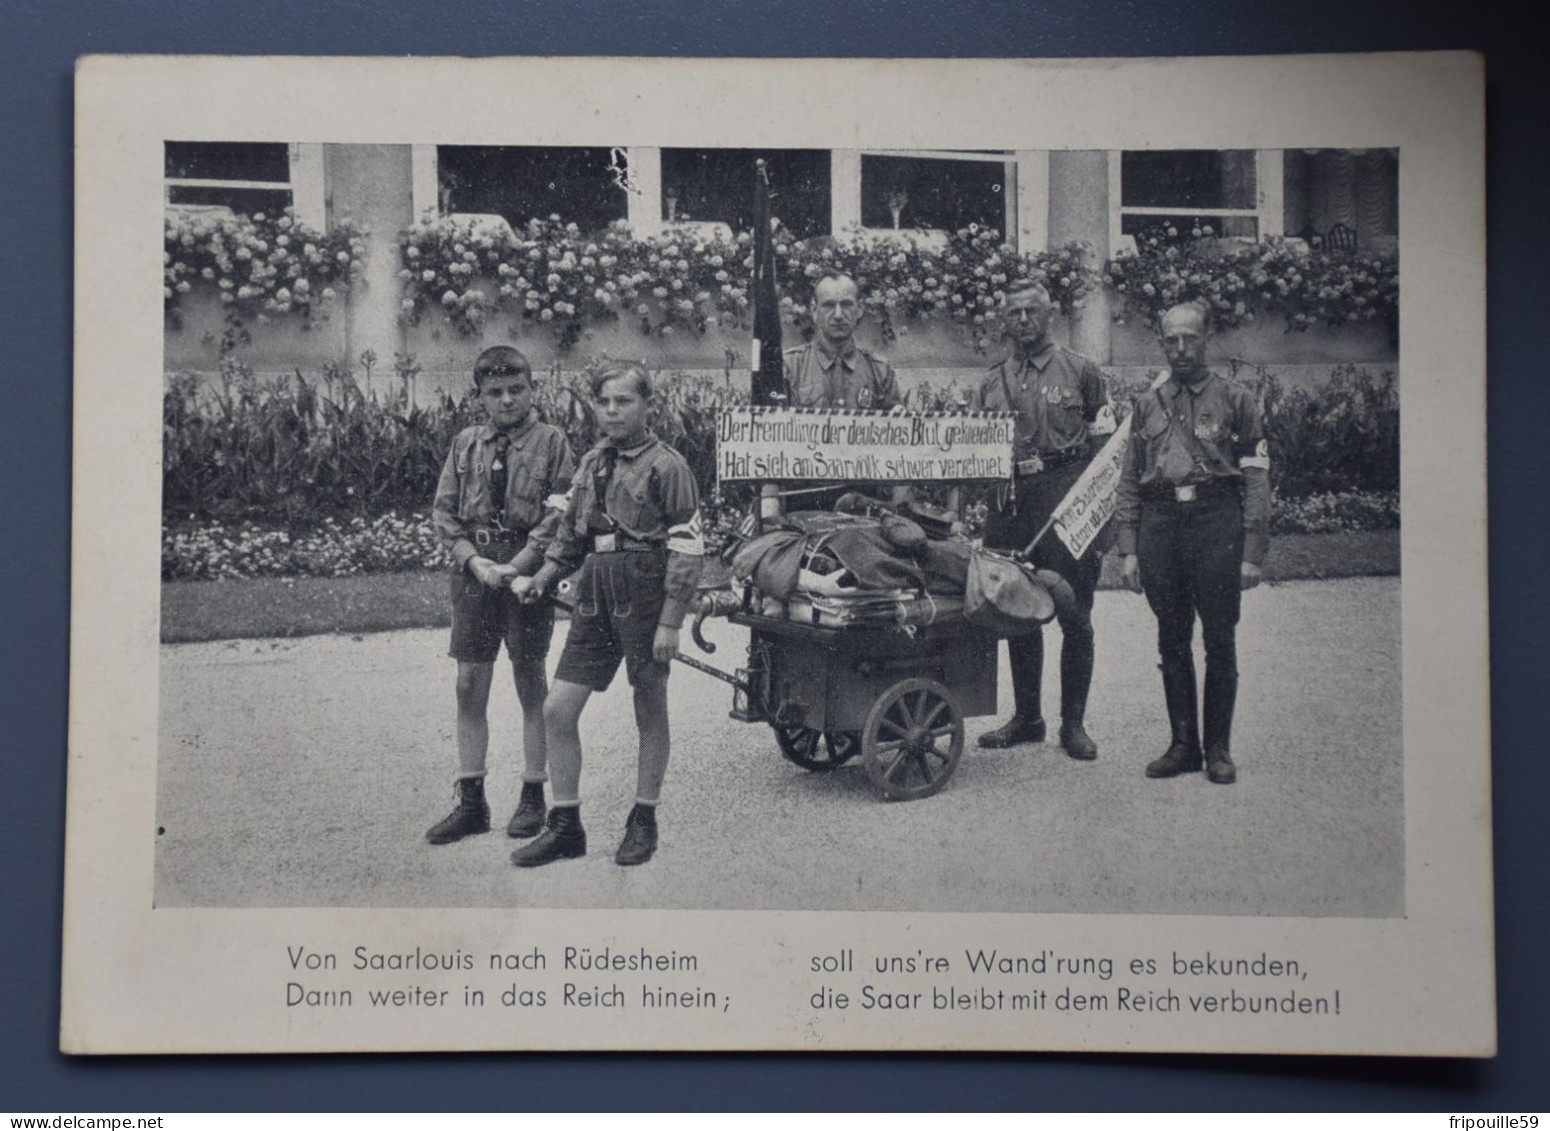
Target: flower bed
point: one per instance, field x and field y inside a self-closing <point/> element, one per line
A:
<point x="552" y="274"/>
<point x="395" y="542"/>
<point x="1238" y="282"/>
<point x="263" y="265"/>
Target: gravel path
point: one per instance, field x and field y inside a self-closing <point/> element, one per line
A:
<point x="303" y="773"/>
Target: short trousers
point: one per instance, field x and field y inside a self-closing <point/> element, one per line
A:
<point x="482" y="617"/>
<point x="619" y="597"/>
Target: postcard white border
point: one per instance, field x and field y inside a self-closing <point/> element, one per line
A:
<point x="138" y="980"/>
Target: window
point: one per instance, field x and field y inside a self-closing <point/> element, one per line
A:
<point x="717" y="185"/>
<point x="521" y="183"/>
<point x="1355" y="188"/>
<point x="944" y="191"/>
<point x="245" y="177"/>
<point x="1180" y="186"/>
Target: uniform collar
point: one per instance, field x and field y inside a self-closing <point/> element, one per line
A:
<point x="846" y="356"/>
<point x="1178" y="385"/>
<point x="1039" y="358"/>
<point x="516" y="435"/>
<point x="631" y="453"/>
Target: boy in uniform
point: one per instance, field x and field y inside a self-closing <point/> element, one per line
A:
<point x="496" y="512"/>
<point x="632" y="523"/>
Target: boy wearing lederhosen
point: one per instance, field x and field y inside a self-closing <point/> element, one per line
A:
<point x="496" y="510"/>
<point x="632" y="524"/>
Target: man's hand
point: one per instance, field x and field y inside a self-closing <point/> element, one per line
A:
<point x="1130" y="572"/>
<point x="1250" y="575"/>
<point x="664" y="645"/>
<point x="527" y="590"/>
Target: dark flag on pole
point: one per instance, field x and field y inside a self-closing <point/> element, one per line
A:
<point x="768" y="385"/>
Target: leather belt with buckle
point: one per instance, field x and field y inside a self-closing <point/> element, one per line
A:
<point x="614" y="542"/>
<point x="1045" y="463"/>
<point x="1029" y="466"/>
<point x="487" y="536"/>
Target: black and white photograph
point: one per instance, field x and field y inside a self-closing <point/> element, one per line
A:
<point x="953" y="558"/>
<point x="335" y="313"/>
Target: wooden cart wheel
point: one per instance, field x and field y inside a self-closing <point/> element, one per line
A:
<point x="813" y="751"/>
<point x="912" y="739"/>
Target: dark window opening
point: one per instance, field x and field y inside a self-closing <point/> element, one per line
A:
<point x="228" y="161"/>
<point x="522" y="183"/>
<point x="932" y="193"/>
<point x="718" y="184"/>
<point x="1188" y="179"/>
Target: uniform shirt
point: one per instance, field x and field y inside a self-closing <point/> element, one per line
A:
<point x="1225" y="421"/>
<point x="1060" y="398"/>
<point x="539" y="464"/>
<point x="651" y="497"/>
<point x="854" y="378"/>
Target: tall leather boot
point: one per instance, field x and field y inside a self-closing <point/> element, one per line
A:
<point x="1027" y="722"/>
<point x="563" y="839"/>
<point x="1076" y="677"/>
<point x="471" y="816"/>
<point x="1183" y="753"/>
<point x="1221" y="697"/>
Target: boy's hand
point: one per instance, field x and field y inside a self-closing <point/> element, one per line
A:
<point x="489" y="574"/>
<point x="664" y="645"/>
<point x="526" y="590"/>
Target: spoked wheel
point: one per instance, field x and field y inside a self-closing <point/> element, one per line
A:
<point x="912" y="740"/>
<point x="815" y="751"/>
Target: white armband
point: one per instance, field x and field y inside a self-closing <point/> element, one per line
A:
<point x="1104" y="423"/>
<point x="1260" y="458"/>
<point x="687" y="537"/>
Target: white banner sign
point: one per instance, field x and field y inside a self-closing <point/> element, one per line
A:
<point x="858" y="446"/>
<point x="1092" y="498"/>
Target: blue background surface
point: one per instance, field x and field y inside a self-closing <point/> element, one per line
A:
<point x="39" y="44"/>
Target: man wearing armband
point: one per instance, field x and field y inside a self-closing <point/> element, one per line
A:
<point x="1193" y="527"/>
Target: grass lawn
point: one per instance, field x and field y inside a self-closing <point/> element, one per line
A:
<point x="268" y="607"/>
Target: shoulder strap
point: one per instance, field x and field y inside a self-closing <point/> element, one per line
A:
<point x="1191" y="441"/>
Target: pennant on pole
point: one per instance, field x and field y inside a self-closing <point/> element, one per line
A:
<point x="1093" y="497"/>
<point x="768" y="384"/>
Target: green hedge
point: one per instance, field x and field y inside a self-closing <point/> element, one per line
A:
<point x="315" y="477"/>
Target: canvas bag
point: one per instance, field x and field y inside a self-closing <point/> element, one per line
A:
<point x="1001" y="596"/>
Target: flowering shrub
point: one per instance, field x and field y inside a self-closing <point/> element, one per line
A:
<point x="552" y="274"/>
<point x="1238" y="281"/>
<point x="395" y="542"/>
<point x="262" y="265"/>
<point x="317" y="478"/>
<point x="1336" y="512"/>
<point x="215" y="551"/>
<point x="298" y="451"/>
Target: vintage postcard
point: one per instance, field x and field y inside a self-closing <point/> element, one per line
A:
<point x="687" y="554"/>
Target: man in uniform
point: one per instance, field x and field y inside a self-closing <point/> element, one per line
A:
<point x="832" y="371"/>
<point x="1063" y="416"/>
<point x="1193" y="526"/>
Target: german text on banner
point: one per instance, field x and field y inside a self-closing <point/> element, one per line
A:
<point x="1091" y="500"/>
<point x="859" y="446"/>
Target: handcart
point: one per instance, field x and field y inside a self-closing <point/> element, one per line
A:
<point x="897" y="700"/>
<point x="894" y="695"/>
